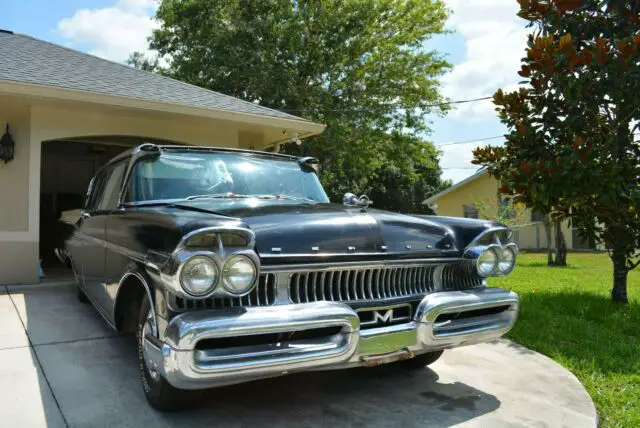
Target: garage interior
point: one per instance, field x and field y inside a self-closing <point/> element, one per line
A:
<point x="67" y="167"/>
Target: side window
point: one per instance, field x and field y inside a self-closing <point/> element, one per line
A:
<point x="470" y="211"/>
<point x="94" y="191"/>
<point x="107" y="199"/>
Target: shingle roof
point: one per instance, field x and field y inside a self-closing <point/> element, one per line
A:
<point x="27" y="60"/>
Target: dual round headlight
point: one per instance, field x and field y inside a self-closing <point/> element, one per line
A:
<point x="200" y="275"/>
<point x="238" y="275"/>
<point x="496" y="261"/>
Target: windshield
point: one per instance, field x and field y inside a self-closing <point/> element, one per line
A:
<point x="192" y="175"/>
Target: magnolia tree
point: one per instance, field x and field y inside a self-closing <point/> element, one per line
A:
<point x="570" y="150"/>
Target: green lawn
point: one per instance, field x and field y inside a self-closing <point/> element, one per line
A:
<point x="567" y="314"/>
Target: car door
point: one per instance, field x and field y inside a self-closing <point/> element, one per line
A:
<point x="93" y="231"/>
<point x="86" y="232"/>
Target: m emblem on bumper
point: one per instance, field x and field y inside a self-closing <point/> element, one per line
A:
<point x="378" y="317"/>
<point x="383" y="318"/>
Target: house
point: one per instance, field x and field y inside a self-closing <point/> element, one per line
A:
<point x="69" y="112"/>
<point x="463" y="199"/>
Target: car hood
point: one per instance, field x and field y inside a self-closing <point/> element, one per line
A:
<point x="288" y="228"/>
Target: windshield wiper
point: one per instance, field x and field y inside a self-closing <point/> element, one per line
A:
<point x="228" y="195"/>
<point x="293" y="198"/>
<point x="231" y="195"/>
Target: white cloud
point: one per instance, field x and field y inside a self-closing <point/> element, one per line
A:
<point x="495" y="40"/>
<point x="456" y="160"/>
<point x="112" y="32"/>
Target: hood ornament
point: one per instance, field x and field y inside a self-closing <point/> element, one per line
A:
<point x="351" y="200"/>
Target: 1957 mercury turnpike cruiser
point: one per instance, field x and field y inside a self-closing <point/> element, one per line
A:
<point x="232" y="266"/>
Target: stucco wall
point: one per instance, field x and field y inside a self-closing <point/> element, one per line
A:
<point x="14" y="185"/>
<point x="451" y="204"/>
<point x="528" y="235"/>
<point x="34" y="121"/>
<point x="18" y="249"/>
<point x="532" y="236"/>
<point x="65" y="121"/>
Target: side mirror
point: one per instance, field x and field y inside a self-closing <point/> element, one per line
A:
<point x="351" y="200"/>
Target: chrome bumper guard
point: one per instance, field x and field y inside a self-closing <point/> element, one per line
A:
<point x="442" y="320"/>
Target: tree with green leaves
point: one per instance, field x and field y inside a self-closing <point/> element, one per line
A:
<point x="359" y="66"/>
<point x="571" y="149"/>
<point x="502" y="210"/>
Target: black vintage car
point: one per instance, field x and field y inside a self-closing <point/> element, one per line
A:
<point x="232" y="265"/>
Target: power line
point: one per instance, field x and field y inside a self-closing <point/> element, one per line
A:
<point x="447" y="103"/>
<point x="483" y="139"/>
<point x="464" y="167"/>
<point x="470" y="141"/>
<point x="472" y="100"/>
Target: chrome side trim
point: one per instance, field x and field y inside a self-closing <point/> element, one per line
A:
<point x="132" y="254"/>
<point x="154" y="327"/>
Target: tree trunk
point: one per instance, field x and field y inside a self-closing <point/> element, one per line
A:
<point x="620" y="272"/>
<point x="561" y="245"/>
<point x="547" y="231"/>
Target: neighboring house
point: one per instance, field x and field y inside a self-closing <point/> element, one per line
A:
<point x="461" y="200"/>
<point x="69" y="112"/>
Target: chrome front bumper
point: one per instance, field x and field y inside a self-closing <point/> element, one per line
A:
<point x="442" y="320"/>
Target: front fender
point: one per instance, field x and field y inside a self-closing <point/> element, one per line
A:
<point x="126" y="290"/>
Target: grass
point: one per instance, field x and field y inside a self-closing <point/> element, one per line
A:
<point x="567" y="314"/>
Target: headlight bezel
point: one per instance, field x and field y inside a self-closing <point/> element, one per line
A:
<point x="474" y="255"/>
<point x="171" y="272"/>
<point x="225" y="280"/>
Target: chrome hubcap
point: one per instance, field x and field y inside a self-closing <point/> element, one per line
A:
<point x="151" y="366"/>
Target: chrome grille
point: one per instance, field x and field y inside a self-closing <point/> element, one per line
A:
<point x="361" y="284"/>
<point x="263" y="295"/>
<point x="460" y="276"/>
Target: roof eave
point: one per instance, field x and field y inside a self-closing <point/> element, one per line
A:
<point x="456" y="186"/>
<point x="303" y="127"/>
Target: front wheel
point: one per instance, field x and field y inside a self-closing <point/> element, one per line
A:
<point x="422" y="360"/>
<point x="160" y="394"/>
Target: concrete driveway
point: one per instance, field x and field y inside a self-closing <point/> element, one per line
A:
<point x="61" y="366"/>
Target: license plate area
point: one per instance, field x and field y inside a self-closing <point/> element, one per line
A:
<point x="391" y="357"/>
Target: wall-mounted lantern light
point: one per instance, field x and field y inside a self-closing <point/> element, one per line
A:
<point x="7" y="147"/>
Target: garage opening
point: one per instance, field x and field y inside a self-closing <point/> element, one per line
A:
<point x="66" y="169"/>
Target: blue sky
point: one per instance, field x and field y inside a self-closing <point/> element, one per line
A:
<point x="485" y="48"/>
